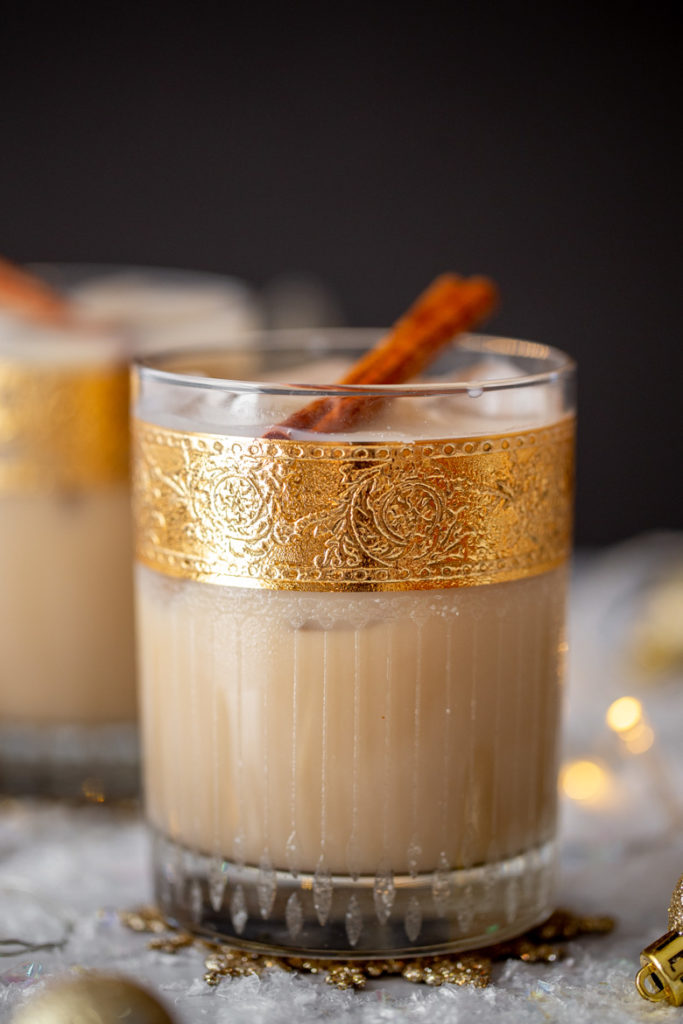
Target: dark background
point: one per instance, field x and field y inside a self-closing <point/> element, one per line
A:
<point x="375" y="150"/>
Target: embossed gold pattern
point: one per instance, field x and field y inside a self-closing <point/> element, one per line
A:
<point x="301" y="515"/>
<point x="62" y="428"/>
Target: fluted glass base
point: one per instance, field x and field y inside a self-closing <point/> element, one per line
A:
<point x="340" y="916"/>
<point x="91" y="762"/>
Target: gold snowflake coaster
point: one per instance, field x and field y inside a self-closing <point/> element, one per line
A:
<point x="540" y="945"/>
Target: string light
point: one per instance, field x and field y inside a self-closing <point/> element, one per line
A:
<point x="585" y="781"/>
<point x="626" y="718"/>
<point x="624" y="714"/>
<point x="640" y="739"/>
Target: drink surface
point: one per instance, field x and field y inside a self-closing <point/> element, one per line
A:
<point x="249" y="411"/>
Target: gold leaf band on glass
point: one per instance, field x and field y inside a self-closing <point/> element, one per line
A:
<point x="62" y="428"/>
<point x="290" y="515"/>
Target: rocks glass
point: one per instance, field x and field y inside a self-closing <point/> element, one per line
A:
<point x="68" y="702"/>
<point x="351" y="645"/>
<point x="67" y="675"/>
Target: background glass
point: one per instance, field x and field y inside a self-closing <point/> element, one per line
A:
<point x="68" y="703"/>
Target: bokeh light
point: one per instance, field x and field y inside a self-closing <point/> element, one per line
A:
<point x="639" y="739"/>
<point x="584" y="780"/>
<point x="624" y="714"/>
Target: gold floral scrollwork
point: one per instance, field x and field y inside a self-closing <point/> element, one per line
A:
<point x="62" y="428"/>
<point x="301" y="515"/>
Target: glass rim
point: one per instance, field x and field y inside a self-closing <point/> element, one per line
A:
<point x="156" y="273"/>
<point x="326" y="341"/>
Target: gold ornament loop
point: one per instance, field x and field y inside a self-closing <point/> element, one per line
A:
<point x="62" y="428"/>
<point x="325" y="515"/>
<point x="660" y="977"/>
<point x="661" y="973"/>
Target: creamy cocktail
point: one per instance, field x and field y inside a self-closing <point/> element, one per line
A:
<point x="67" y="681"/>
<point x="351" y="649"/>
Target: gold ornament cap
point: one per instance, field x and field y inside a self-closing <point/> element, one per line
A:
<point x="661" y="975"/>
<point x="93" y="997"/>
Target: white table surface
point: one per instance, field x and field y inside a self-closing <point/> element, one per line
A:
<point x="621" y="856"/>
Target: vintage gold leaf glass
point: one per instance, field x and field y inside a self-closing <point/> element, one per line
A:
<point x="67" y="673"/>
<point x="351" y="645"/>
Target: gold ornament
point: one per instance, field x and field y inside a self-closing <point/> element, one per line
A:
<point x="297" y="515"/>
<point x="676" y="907"/>
<point x="62" y="429"/>
<point x="538" y="946"/>
<point x="657" y="642"/>
<point x="660" y="978"/>
<point x="93" y="997"/>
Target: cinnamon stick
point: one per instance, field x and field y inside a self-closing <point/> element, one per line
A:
<point x="26" y="295"/>
<point x="449" y="306"/>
